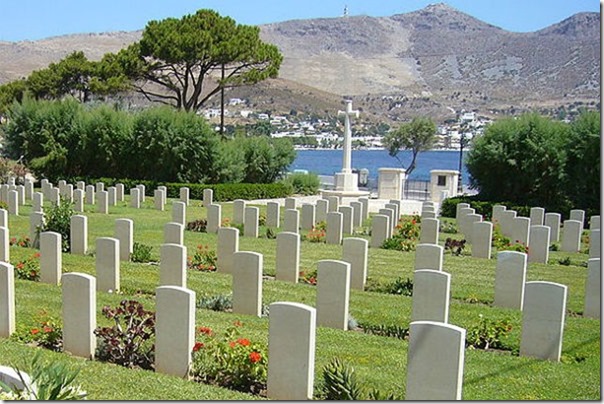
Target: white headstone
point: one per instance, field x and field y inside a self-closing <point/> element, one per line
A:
<point x="103" y="202"/>
<point x="272" y="214"/>
<point x="593" y="285"/>
<point x="308" y="216"/>
<point x="250" y="222"/>
<point x="227" y="244"/>
<point x="4" y="244"/>
<point x="594" y="244"/>
<point x="124" y="232"/>
<point x="537" y="215"/>
<point x="13" y="203"/>
<point x="571" y="236"/>
<point x="431" y="293"/>
<point x="291" y="347"/>
<point x="108" y="264"/>
<point x="429" y="256"/>
<point x="365" y="202"/>
<point x="174" y="330"/>
<point x="521" y="231"/>
<point x="539" y="250"/>
<point x="159" y="199"/>
<point x="543" y="320"/>
<point x="357" y="213"/>
<point x="90" y="194"/>
<point x="380" y="226"/>
<point x="510" y="277"/>
<point x="346" y="212"/>
<point x="183" y="194"/>
<point x="214" y="218"/>
<point x="247" y="283"/>
<point x="79" y="314"/>
<point x="142" y="190"/>
<point x="594" y="222"/>
<point x="333" y="203"/>
<point x="38" y="202"/>
<point x="51" y="262"/>
<point x="321" y="210"/>
<point x="496" y="214"/>
<point x="579" y="215"/>
<point x="435" y="361"/>
<point x="552" y="220"/>
<point x="287" y="262"/>
<point x="354" y="251"/>
<point x="36" y="221"/>
<point x="482" y="234"/>
<point x="174" y="233"/>
<point x="173" y="265"/>
<point x="7" y="300"/>
<point x="119" y="192"/>
<point x="179" y="212"/>
<point x="291" y="220"/>
<point x="78" y="197"/>
<point x="333" y="293"/>
<point x="333" y="232"/>
<point x="290" y="203"/>
<point x="78" y="235"/>
<point x="239" y="211"/>
<point x="208" y="197"/>
<point x="135" y="198"/>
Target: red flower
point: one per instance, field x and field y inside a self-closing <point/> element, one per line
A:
<point x="197" y="346"/>
<point x="37" y="255"/>
<point x="205" y="330"/>
<point x="47" y="329"/>
<point x="232" y="344"/>
<point x="243" y="341"/>
<point x="34" y="331"/>
<point x="255" y="357"/>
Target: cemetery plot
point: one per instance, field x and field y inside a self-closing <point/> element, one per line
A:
<point x="375" y="307"/>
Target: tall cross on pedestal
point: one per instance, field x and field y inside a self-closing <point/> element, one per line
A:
<point x="347" y="156"/>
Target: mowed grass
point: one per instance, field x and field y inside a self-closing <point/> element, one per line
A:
<point x="379" y="362"/>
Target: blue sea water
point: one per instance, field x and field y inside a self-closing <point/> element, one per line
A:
<point x="329" y="162"/>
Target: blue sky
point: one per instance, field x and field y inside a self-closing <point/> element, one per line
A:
<point x="36" y="19"/>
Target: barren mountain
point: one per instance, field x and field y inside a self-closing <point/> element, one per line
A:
<point x="430" y="59"/>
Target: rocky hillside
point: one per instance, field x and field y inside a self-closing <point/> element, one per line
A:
<point x="434" y="60"/>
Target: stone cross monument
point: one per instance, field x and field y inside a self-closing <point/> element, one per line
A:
<point x="345" y="180"/>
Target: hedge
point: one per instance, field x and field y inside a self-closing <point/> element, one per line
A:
<point x="222" y="192"/>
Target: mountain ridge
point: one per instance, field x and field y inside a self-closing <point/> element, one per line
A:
<point x="437" y="54"/>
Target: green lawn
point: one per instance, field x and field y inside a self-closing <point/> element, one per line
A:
<point x="379" y="362"/>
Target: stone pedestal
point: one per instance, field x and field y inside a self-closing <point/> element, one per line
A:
<point x="443" y="180"/>
<point x="390" y="183"/>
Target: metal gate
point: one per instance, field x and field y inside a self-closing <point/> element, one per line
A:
<point x="417" y="190"/>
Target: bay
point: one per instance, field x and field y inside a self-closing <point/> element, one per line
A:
<point x="329" y="162"/>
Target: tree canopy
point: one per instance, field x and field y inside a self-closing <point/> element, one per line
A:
<point x="418" y="135"/>
<point x="537" y="161"/>
<point x="183" y="62"/>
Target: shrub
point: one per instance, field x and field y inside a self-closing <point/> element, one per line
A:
<point x="47" y="333"/>
<point x="204" y="259"/>
<point x="406" y="235"/>
<point x="392" y="330"/>
<point x="487" y="334"/>
<point x="498" y="240"/>
<point x="229" y="360"/>
<point x="315" y="235"/>
<point x="309" y="277"/>
<point x="58" y="219"/>
<point x="22" y="241"/>
<point x="129" y="342"/>
<point x="303" y="184"/>
<point x="141" y="253"/>
<point x="456" y="247"/>
<point x="29" y="268"/>
<point x="53" y="381"/>
<point x="399" y="286"/>
<point x="198" y="225"/>
<point x="216" y="303"/>
<point x="340" y="382"/>
<point x="530" y="149"/>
